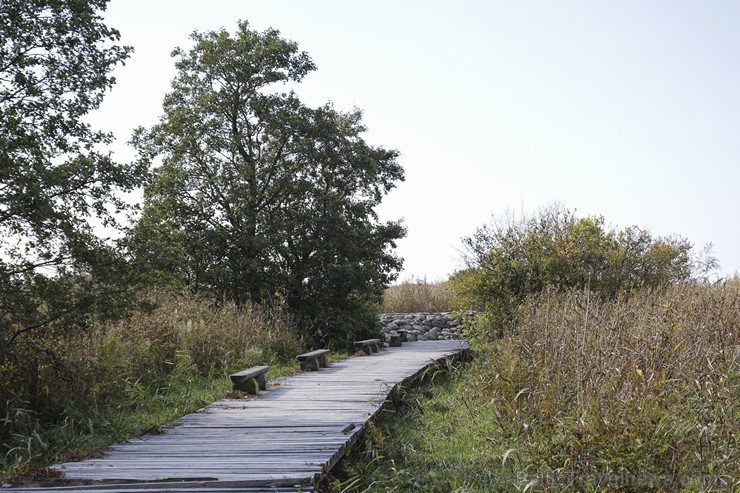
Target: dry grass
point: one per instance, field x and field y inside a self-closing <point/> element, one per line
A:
<point x="188" y="330"/>
<point x="644" y="385"/>
<point x="183" y="335"/>
<point x="418" y="296"/>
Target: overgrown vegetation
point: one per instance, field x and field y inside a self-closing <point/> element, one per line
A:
<point x="418" y="295"/>
<point x="88" y="389"/>
<point x="515" y="256"/>
<point x="634" y="393"/>
<point x="605" y="361"/>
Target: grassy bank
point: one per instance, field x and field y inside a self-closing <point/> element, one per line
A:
<point x="67" y="394"/>
<point x="579" y="395"/>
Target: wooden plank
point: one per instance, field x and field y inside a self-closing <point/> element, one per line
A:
<point x="293" y="432"/>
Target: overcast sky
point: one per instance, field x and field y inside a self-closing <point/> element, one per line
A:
<point x="626" y="109"/>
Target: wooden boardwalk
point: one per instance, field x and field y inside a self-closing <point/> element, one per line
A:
<point x="281" y="441"/>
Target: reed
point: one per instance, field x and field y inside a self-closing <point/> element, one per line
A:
<point x="418" y="295"/>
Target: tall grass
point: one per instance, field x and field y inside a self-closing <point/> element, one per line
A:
<point x="636" y="394"/>
<point x="74" y="392"/>
<point x="645" y="385"/>
<point x="418" y="295"/>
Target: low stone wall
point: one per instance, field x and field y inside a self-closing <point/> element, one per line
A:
<point x="424" y="326"/>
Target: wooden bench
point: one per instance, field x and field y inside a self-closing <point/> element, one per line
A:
<point x="368" y="346"/>
<point x="394" y="339"/>
<point x="251" y="380"/>
<point x="314" y="360"/>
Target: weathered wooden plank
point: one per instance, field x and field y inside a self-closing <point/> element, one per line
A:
<point x="294" y="431"/>
<point x="181" y="486"/>
<point x="131" y="475"/>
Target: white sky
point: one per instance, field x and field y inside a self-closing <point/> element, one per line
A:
<point x="626" y="109"/>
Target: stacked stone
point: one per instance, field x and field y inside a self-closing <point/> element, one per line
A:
<point x="424" y="326"/>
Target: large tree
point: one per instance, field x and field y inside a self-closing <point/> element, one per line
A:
<point x="259" y="195"/>
<point x="56" y="58"/>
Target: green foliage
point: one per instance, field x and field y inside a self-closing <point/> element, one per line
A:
<point x="55" y="60"/>
<point x="261" y="197"/>
<point x="636" y="394"/>
<point x="56" y="275"/>
<point x="512" y="258"/>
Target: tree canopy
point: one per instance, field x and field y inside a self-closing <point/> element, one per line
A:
<point x="259" y="196"/>
<point x="56" y="181"/>
<point x="55" y="64"/>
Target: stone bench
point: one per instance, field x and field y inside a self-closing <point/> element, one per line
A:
<point x="368" y="346"/>
<point x="251" y="380"/>
<point x="315" y="360"/>
<point x="394" y="339"/>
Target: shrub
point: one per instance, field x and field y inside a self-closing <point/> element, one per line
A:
<point x="513" y="257"/>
